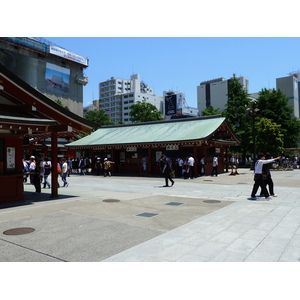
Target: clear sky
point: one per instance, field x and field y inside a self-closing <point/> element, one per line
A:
<point x="181" y="63"/>
<point x="171" y="44"/>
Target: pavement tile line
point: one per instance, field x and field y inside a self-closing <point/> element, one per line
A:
<point x="26" y="248"/>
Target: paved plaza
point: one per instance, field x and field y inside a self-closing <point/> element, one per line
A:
<point x="136" y="219"/>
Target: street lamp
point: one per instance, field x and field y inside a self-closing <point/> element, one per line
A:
<point x="253" y="112"/>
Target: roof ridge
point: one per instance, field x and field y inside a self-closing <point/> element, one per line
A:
<point x="165" y="121"/>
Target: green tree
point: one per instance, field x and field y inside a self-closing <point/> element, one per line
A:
<point x="235" y="113"/>
<point x="99" y="117"/>
<point x="210" y="111"/>
<point x="273" y="104"/>
<point x="144" y="112"/>
<point x="269" y="137"/>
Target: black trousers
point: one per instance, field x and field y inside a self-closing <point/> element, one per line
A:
<point x="191" y="172"/>
<point x="37" y="182"/>
<point x="259" y="182"/>
<point x="168" y="177"/>
<point x="214" y="171"/>
<point x="269" y="183"/>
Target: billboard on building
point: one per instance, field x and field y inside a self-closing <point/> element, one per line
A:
<point x="68" y="55"/>
<point x="170" y="104"/>
<point x="57" y="79"/>
<point x="173" y="104"/>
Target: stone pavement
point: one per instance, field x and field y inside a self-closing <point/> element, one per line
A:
<point x="135" y="219"/>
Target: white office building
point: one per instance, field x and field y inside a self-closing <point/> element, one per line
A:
<point x="117" y="95"/>
<point x="214" y="92"/>
<point x="289" y="86"/>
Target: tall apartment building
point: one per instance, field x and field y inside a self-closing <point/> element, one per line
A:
<point x="117" y="95"/>
<point x="214" y="92"/>
<point x="290" y="87"/>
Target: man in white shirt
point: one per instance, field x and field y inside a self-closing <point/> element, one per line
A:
<point x="258" y="177"/>
<point x="215" y="166"/>
<point x="191" y="162"/>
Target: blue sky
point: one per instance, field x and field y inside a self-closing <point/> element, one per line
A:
<point x="181" y="63"/>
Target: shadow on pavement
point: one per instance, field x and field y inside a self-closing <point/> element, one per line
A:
<point x="30" y="197"/>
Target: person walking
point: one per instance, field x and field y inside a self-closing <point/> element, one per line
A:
<point x="267" y="178"/>
<point x="32" y="166"/>
<point x="167" y="170"/>
<point x="38" y="174"/>
<point x="82" y="165"/>
<point x="202" y="166"/>
<point x="190" y="163"/>
<point x="258" y="176"/>
<point x="107" y="167"/>
<point x="215" y="166"/>
<point x="47" y="171"/>
<point x="145" y="164"/>
<point x="64" y="172"/>
<point x="98" y="166"/>
<point x="25" y="170"/>
<point x="179" y="167"/>
<point x="69" y="163"/>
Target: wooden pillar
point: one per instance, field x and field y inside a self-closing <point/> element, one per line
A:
<point x="54" y="161"/>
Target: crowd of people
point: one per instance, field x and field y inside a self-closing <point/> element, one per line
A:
<point x="37" y="170"/>
<point x="185" y="167"/>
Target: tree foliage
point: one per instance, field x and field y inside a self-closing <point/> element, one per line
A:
<point x="235" y="113"/>
<point x="99" y="117"/>
<point x="269" y="138"/>
<point x="144" y="112"/>
<point x="275" y="124"/>
<point x="210" y="111"/>
<point x="273" y="104"/>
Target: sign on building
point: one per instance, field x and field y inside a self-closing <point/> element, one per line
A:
<point x="173" y="104"/>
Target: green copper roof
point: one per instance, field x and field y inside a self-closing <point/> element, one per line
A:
<point x="152" y="132"/>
